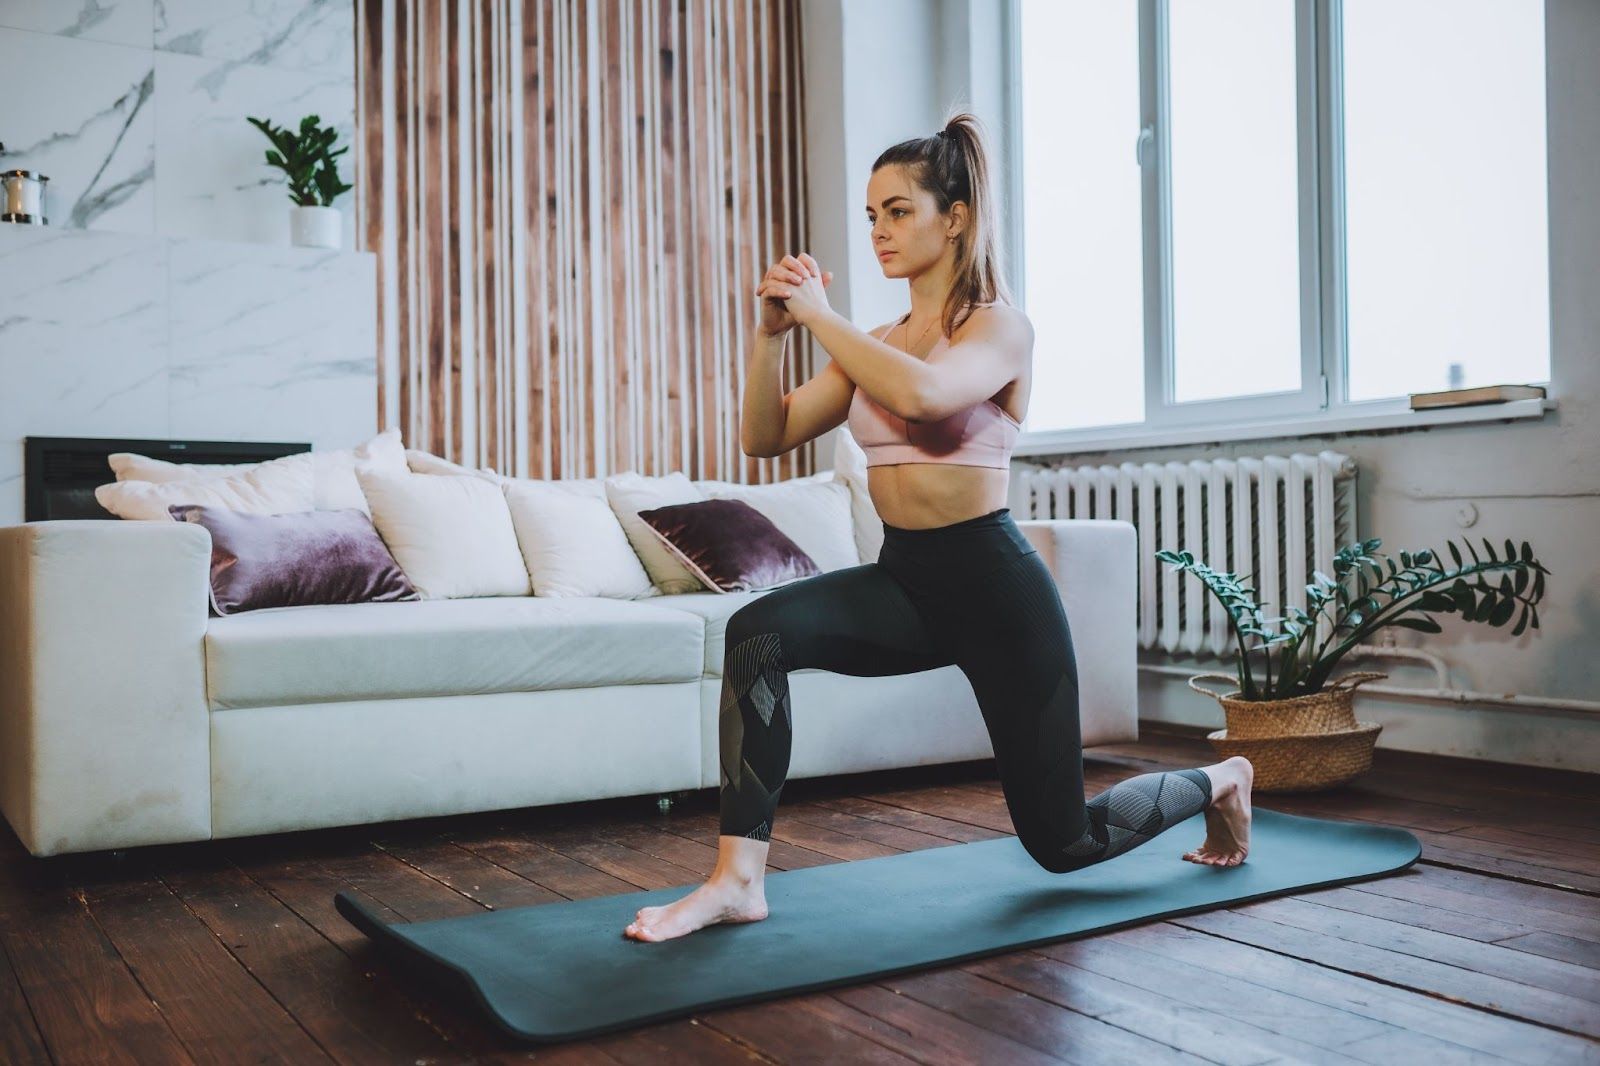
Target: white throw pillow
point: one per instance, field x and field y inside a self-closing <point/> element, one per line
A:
<point x="571" y="540"/>
<point x="452" y="536"/>
<point x="421" y="462"/>
<point x="850" y="466"/>
<point x="131" y="466"/>
<point x="632" y="492"/>
<point x="332" y="472"/>
<point x="813" y="511"/>
<point x="279" y="486"/>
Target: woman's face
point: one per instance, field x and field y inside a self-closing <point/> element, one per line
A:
<point x="909" y="234"/>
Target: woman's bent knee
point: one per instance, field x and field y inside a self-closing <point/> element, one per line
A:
<point x="1057" y="860"/>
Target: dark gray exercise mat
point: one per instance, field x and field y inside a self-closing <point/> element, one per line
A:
<point x="559" y="971"/>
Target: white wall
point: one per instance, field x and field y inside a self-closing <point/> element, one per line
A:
<point x="878" y="73"/>
<point x="163" y="299"/>
<point x="1535" y="481"/>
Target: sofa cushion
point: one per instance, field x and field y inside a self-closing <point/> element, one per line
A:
<point x="572" y="543"/>
<point x="715" y="608"/>
<point x="421" y="462"/>
<point x="850" y="465"/>
<point x="367" y="651"/>
<point x="813" y="511"/>
<point x="630" y="492"/>
<point x="333" y="476"/>
<point x="299" y="559"/>
<point x="451" y="534"/>
<point x="729" y="545"/>
<point x="277" y="486"/>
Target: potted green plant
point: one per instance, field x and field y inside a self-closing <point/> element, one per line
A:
<point x="1288" y="718"/>
<point x="309" y="162"/>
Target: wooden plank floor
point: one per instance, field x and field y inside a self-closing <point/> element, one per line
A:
<point x="1487" y="950"/>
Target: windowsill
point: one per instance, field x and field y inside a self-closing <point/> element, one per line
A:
<point x="1069" y="442"/>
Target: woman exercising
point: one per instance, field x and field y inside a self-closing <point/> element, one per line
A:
<point x="956" y="582"/>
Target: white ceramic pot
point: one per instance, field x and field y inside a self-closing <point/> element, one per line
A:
<point x="315" y="227"/>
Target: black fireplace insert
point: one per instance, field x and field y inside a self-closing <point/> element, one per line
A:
<point x="60" y="473"/>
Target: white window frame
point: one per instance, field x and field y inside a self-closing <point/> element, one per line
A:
<point x="1321" y="405"/>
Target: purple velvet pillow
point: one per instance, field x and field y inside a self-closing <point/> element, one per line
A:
<point x="729" y="545"/>
<point x="295" y="559"/>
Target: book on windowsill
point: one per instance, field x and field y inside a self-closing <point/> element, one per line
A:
<point x="1481" y="394"/>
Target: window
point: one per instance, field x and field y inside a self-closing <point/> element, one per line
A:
<point x="1234" y="246"/>
<point x="1447" y="247"/>
<point x="1238" y="210"/>
<point x="1081" y="187"/>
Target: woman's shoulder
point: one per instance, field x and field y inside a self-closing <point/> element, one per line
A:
<point x="1000" y="311"/>
<point x="881" y="331"/>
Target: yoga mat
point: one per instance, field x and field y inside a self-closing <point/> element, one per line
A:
<point x="560" y="971"/>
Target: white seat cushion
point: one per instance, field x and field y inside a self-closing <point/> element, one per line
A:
<point x="716" y="608"/>
<point x="363" y="651"/>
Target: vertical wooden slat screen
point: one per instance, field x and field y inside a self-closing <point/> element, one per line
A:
<point x="571" y="202"/>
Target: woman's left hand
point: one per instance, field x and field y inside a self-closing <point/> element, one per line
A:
<point x="808" y="299"/>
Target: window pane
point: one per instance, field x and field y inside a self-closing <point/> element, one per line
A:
<point x="1235" y="220"/>
<point x="1446" y="225"/>
<point x="1081" y="247"/>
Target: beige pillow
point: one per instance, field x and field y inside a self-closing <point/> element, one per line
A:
<point x="452" y="535"/>
<point x="332" y="472"/>
<point x="277" y="486"/>
<point x="571" y="540"/>
<point x="850" y="466"/>
<point x="131" y="466"/>
<point x="813" y="511"/>
<point x="632" y="492"/>
<point x="421" y="462"/>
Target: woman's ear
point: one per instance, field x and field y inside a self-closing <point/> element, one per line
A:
<point x="958" y="219"/>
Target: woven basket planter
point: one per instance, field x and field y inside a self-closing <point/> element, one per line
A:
<point x="1298" y="744"/>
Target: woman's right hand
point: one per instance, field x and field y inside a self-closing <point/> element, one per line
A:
<point x="774" y="291"/>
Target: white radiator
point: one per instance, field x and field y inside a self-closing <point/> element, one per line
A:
<point x="1272" y="520"/>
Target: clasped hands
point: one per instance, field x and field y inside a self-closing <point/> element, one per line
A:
<point x="792" y="293"/>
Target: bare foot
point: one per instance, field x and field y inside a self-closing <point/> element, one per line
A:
<point x="721" y="899"/>
<point x="1228" y="817"/>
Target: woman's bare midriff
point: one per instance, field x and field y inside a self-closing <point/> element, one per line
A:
<point x="924" y="495"/>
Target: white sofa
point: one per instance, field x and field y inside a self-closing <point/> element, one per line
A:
<point x="128" y="716"/>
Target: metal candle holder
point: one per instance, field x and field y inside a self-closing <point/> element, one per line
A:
<point x="21" y="196"/>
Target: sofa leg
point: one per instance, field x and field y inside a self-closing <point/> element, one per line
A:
<point x="666" y="800"/>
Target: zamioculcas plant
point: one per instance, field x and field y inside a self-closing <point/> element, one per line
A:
<point x="307" y="159"/>
<point x="1358" y="605"/>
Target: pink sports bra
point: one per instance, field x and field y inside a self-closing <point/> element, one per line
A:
<point x="980" y="435"/>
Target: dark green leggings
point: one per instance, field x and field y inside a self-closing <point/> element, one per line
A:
<point x="976" y="595"/>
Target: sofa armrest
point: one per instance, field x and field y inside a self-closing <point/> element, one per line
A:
<point x="1096" y="567"/>
<point x="105" y="736"/>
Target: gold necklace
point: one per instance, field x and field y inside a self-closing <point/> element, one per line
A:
<point x="919" y="339"/>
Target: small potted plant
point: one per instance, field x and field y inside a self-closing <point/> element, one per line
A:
<point x="1291" y="722"/>
<point x="308" y="159"/>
